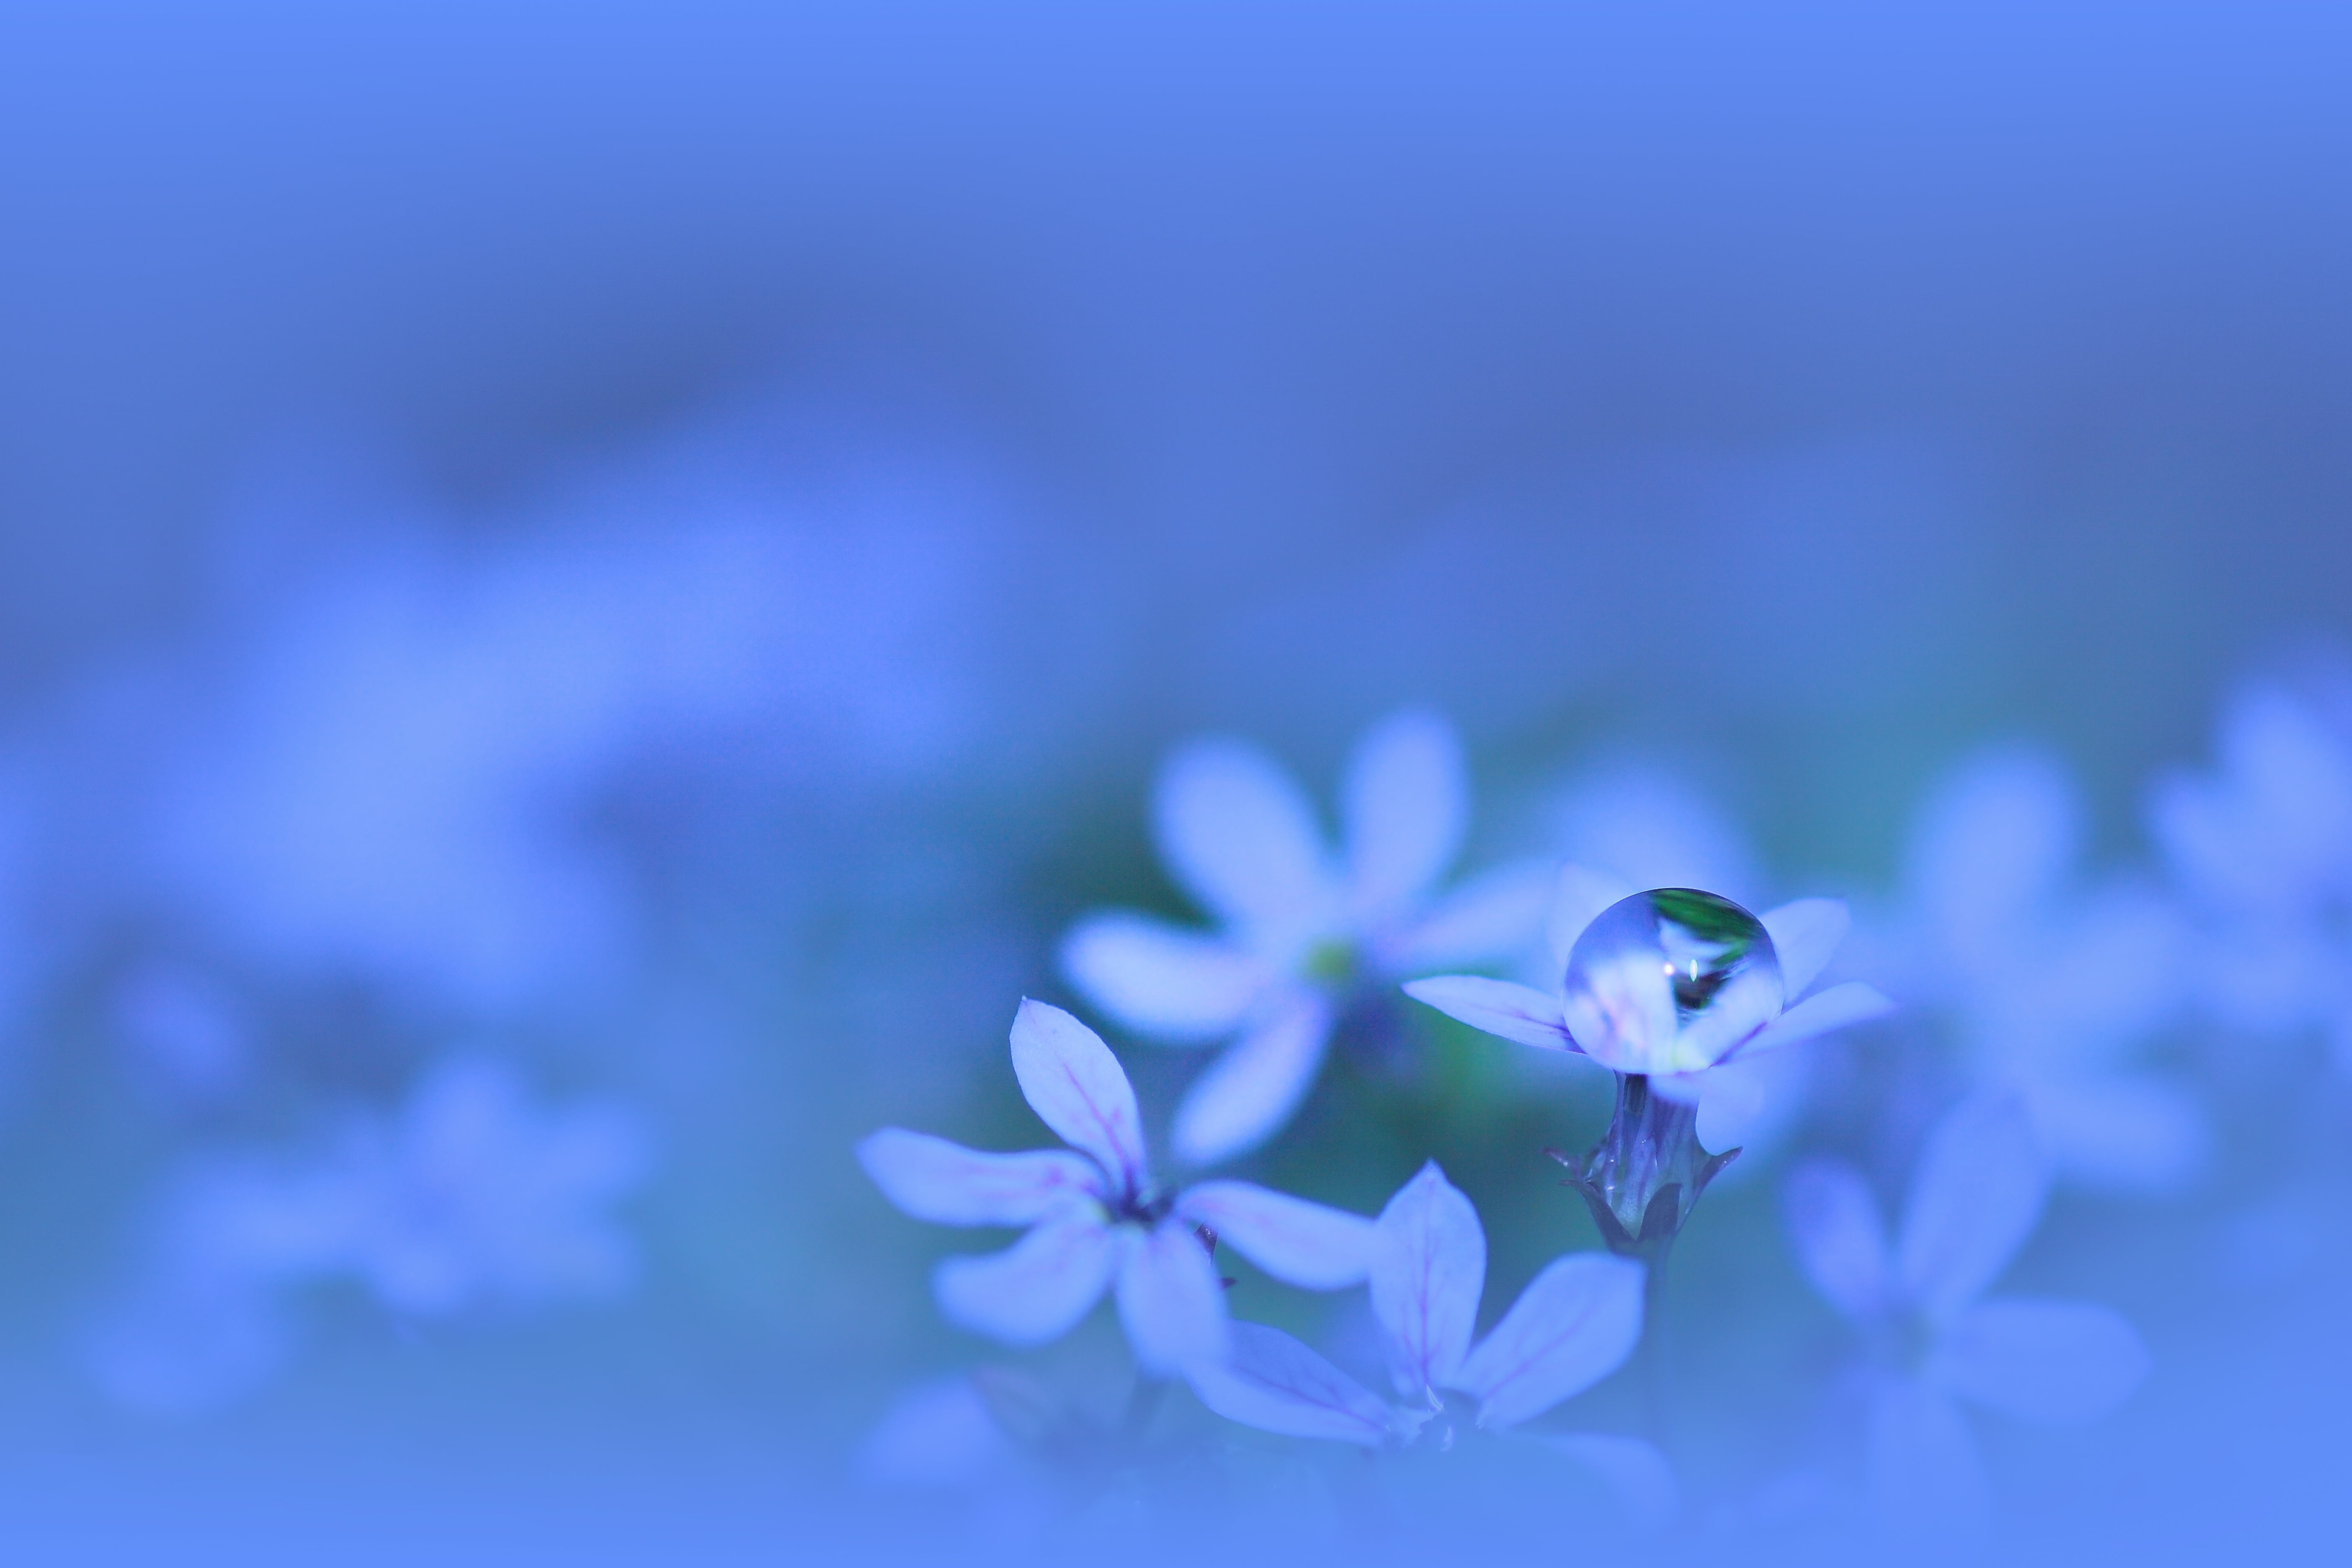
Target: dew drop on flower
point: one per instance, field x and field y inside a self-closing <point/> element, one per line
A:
<point x="1670" y="981"/>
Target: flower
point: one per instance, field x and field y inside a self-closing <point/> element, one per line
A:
<point x="1301" y="929"/>
<point x="2263" y="852"/>
<point x="1932" y="1339"/>
<point x="1620" y="1028"/>
<point x="468" y="1197"/>
<point x="1095" y="1220"/>
<point x="1574" y="1324"/>
<point x="2048" y="990"/>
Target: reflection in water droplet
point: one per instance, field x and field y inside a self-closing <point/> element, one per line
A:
<point x="1670" y="981"/>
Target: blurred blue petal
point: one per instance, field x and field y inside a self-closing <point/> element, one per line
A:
<point x="2041" y="1361"/>
<point x="1495" y="916"/>
<point x="1161" y="980"/>
<point x="1922" y="1465"/>
<point x="1975" y="1195"/>
<point x="1838" y="1008"/>
<point x="1839" y="1236"/>
<point x="1578" y="895"/>
<point x="1994" y="842"/>
<point x="1241" y="836"/>
<point x="1246" y="1095"/>
<point x="1406" y="804"/>
<point x="1805" y="934"/>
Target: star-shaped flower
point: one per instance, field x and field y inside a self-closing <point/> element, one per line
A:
<point x="1574" y="1324"/>
<point x="1096" y="1219"/>
<point x="2049" y="990"/>
<point x="1628" y="1015"/>
<point x="1930" y="1336"/>
<point x="2264" y="850"/>
<point x="1303" y="929"/>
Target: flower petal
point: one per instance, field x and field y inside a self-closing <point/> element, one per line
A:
<point x="1163" y="980"/>
<point x="1995" y="840"/>
<point x="1579" y="895"/>
<point x="1495" y="916"/>
<point x="1499" y="1007"/>
<point x="1406" y="803"/>
<point x="1636" y="1474"/>
<point x="1922" y="1464"/>
<point x="1428" y="1270"/>
<point x="1975" y="1198"/>
<point x="1250" y="1091"/>
<point x="1077" y="1088"/>
<point x="1805" y="933"/>
<point x="2041" y="1361"/>
<point x="1839" y="1237"/>
<point x="1574" y="1324"/>
<point x="938" y="1435"/>
<point x="1297" y="1242"/>
<point x="948" y="1184"/>
<point x="1277" y="1384"/>
<point x="1238" y="833"/>
<point x="1033" y="1290"/>
<point x="2122" y="1132"/>
<point x="1170" y="1302"/>
<point x="1835" y="1008"/>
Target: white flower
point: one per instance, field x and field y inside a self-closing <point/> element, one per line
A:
<point x="1976" y="1197"/>
<point x="2050" y="988"/>
<point x="1684" y="1061"/>
<point x="1095" y="1221"/>
<point x="1301" y="925"/>
<point x="1573" y="1325"/>
<point x="2262" y="848"/>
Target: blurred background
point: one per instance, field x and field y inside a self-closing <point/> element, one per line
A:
<point x="585" y="591"/>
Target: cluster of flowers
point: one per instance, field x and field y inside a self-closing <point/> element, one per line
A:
<point x="1680" y="993"/>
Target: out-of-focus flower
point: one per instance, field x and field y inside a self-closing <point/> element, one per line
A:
<point x="1931" y="1339"/>
<point x="1095" y="1220"/>
<point x="2264" y="850"/>
<point x="1574" y="1324"/>
<point x="1302" y="929"/>
<point x="469" y="1196"/>
<point x="1625" y="1000"/>
<point x="2049" y="989"/>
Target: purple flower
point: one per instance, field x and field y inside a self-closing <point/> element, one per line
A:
<point x="2264" y="850"/>
<point x="2049" y="989"/>
<point x="1681" y="1064"/>
<point x="1932" y="1341"/>
<point x="1095" y="1220"/>
<point x="1302" y="927"/>
<point x="469" y="1196"/>
<point x="1574" y="1324"/>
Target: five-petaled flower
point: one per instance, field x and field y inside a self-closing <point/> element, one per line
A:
<point x="1931" y="1337"/>
<point x="1302" y="932"/>
<point x="1574" y="1324"/>
<point x="2264" y="850"/>
<point x="2050" y="991"/>
<point x="1095" y="1220"/>
<point x="1651" y="1042"/>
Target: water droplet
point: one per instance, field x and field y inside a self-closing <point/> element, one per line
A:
<point x="1670" y="981"/>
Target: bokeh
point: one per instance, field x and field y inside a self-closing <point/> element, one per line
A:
<point x="589" y="592"/>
